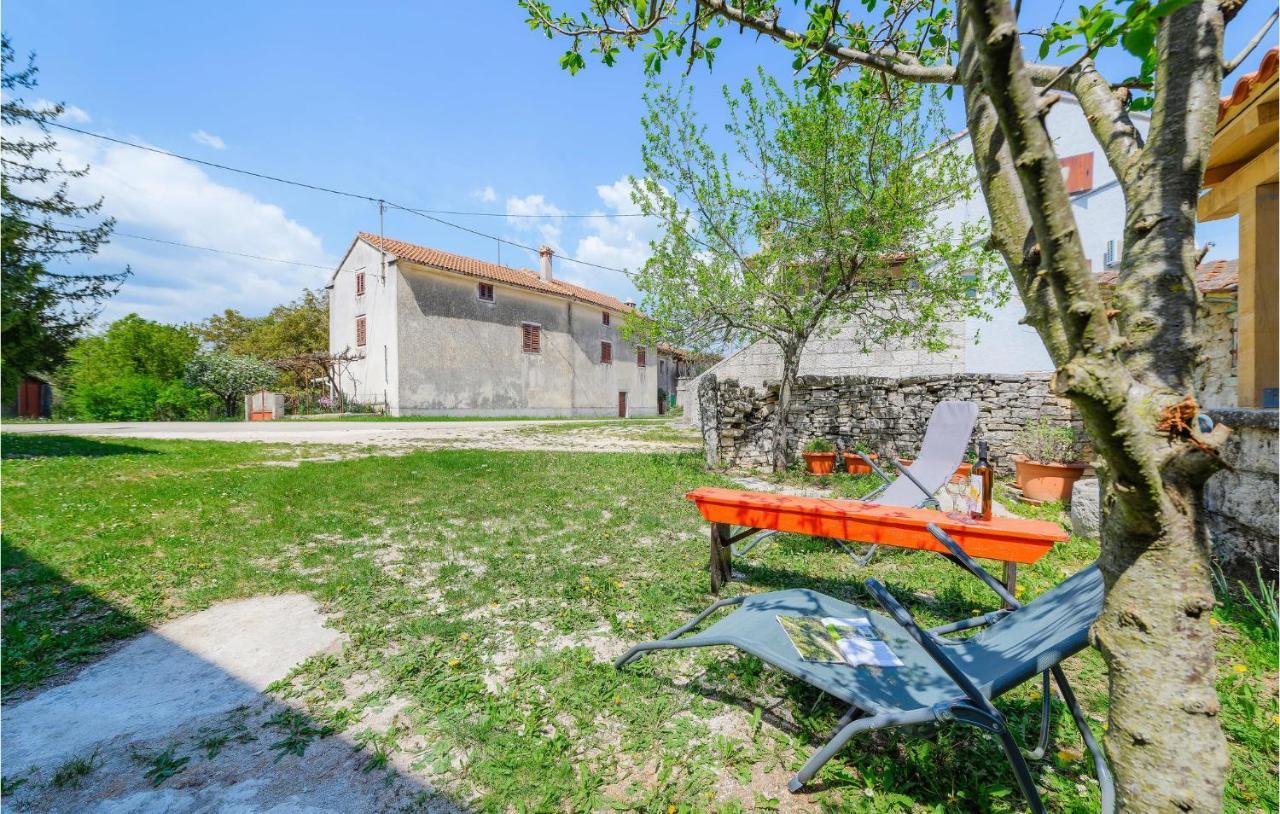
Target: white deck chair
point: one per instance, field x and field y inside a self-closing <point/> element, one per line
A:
<point x="946" y="438"/>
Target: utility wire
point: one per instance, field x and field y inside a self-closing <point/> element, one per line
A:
<point x="114" y="233"/>
<point x="429" y="214"/>
<point x="330" y="190"/>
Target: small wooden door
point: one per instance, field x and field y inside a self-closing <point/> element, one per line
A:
<point x="622" y="404"/>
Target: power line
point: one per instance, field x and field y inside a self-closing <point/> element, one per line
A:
<point x="330" y="190"/>
<point x="114" y="233"/>
<point x="429" y="214"/>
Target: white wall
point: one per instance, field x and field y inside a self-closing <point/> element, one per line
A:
<point x="374" y="377"/>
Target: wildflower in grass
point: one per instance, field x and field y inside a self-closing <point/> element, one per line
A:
<point x="464" y="636"/>
<point x="454" y="662"/>
<point x="1068" y="755"/>
<point x="1239" y="668"/>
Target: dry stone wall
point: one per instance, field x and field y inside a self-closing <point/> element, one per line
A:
<point x="889" y="415"/>
<point x="1242" y="503"/>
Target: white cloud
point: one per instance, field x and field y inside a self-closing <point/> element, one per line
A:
<point x="526" y="214"/>
<point x="618" y="242"/>
<point x="70" y="113"/>
<point x="166" y="198"/>
<point x="487" y="195"/>
<point x="208" y="140"/>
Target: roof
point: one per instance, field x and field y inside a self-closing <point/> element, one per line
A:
<point x="1218" y="277"/>
<point x="521" y="278"/>
<point x="1246" y="84"/>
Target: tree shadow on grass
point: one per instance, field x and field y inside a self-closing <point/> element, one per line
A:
<point x="28" y="445"/>
<point x="178" y="718"/>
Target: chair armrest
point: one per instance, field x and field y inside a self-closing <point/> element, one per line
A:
<point x="960" y="558"/>
<point x="931" y="647"/>
<point x="969" y="624"/>
<point x="906" y="473"/>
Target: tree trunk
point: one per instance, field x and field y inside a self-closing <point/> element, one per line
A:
<point x="790" y="367"/>
<point x="1164" y="738"/>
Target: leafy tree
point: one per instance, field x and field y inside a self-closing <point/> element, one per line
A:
<point x="120" y="373"/>
<point x="42" y="310"/>
<point x="290" y="330"/>
<point x="1128" y="371"/>
<point x="229" y="375"/>
<point x="823" y="219"/>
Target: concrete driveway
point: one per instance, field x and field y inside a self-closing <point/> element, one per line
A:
<point x="288" y="431"/>
<point x="534" y="434"/>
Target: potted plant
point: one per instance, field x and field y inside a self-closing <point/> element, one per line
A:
<point x="855" y="460"/>
<point x="819" y="457"/>
<point x="966" y="466"/>
<point x="1050" y="462"/>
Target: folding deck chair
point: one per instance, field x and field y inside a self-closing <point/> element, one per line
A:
<point x="941" y="680"/>
<point x="946" y="438"/>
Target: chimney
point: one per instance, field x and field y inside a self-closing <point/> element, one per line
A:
<point x="544" y="262"/>
<point x="630" y="304"/>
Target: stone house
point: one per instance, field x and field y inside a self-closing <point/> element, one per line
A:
<point x="437" y="333"/>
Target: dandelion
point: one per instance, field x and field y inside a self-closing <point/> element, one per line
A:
<point x="671" y="809"/>
<point x="454" y="662"/>
<point x="1214" y="622"/>
<point x="1239" y="668"/>
<point x="618" y="584"/>
<point x="464" y="636"/>
<point x="1068" y="755"/>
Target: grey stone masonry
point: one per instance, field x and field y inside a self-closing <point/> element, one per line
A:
<point x="1241" y="504"/>
<point x="887" y="414"/>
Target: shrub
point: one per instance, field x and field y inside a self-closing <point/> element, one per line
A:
<point x="819" y="445"/>
<point x="177" y="402"/>
<point x="1048" y="443"/>
<point x="124" y="398"/>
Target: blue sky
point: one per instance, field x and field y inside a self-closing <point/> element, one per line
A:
<point x="435" y="105"/>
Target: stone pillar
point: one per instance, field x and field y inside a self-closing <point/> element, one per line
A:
<point x="709" y="416"/>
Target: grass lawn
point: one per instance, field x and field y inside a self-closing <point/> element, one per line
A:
<point x="490" y="591"/>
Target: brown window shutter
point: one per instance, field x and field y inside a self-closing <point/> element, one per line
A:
<point x="359" y="283"/>
<point x="360" y="332"/>
<point x="1079" y="172"/>
<point x="606" y="353"/>
<point x="530" y="338"/>
<point x="604" y="317"/>
<point x="485" y="291"/>
<point x="640" y="357"/>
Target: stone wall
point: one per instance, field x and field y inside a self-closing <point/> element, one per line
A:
<point x="1215" y="373"/>
<point x="887" y="414"/>
<point x="1242" y="504"/>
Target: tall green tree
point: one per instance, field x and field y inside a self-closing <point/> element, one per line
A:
<point x="1128" y="371"/>
<point x="290" y="330"/>
<point x="42" y="309"/>
<point x="823" y="217"/>
<point x="230" y="376"/>
<point x="122" y="372"/>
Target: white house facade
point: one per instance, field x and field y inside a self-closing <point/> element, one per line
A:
<point x="436" y="333"/>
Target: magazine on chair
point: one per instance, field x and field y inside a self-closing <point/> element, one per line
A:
<point x="838" y="640"/>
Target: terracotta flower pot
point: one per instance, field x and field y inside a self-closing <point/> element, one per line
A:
<point x="819" y="463"/>
<point x="855" y="464"/>
<point x="1048" y="481"/>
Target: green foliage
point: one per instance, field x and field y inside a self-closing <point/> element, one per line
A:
<point x="42" y="309"/>
<point x="819" y="445"/>
<point x="1046" y="442"/>
<point x="824" y="217"/>
<point x="131" y="371"/>
<point x="229" y="375"/>
<point x="163" y="765"/>
<point x="293" y="329"/>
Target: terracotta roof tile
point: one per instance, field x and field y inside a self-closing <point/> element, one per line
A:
<point x="1245" y="84"/>
<point x="522" y="278"/>
<point x="1218" y="277"/>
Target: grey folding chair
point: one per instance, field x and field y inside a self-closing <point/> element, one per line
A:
<point x="946" y="438"/>
<point x="941" y="680"/>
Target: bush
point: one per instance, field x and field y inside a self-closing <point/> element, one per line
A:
<point x="125" y="398"/>
<point x="819" y="445"/>
<point x="177" y="402"/>
<point x="1044" y="442"/>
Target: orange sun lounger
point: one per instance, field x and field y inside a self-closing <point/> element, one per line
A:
<point x="1009" y="539"/>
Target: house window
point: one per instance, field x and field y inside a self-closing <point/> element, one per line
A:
<point x="606" y="353"/>
<point x="485" y="292"/>
<point x="604" y="317"/>
<point x="530" y="337"/>
<point x="360" y="331"/>
<point x="640" y="357"/>
<point x="1109" y="259"/>
<point x="359" y="283"/>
